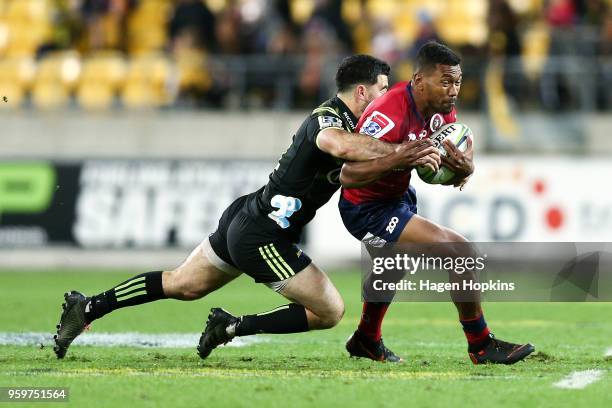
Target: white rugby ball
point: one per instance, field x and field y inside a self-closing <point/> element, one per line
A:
<point x="458" y="133"/>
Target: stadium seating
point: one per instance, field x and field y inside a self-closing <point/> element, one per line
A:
<point x="27" y="28"/>
<point x="16" y="75"/>
<point x="147" y="26"/>
<point x="147" y="82"/>
<point x="55" y="79"/>
<point x="102" y="76"/>
<point x="28" y="24"/>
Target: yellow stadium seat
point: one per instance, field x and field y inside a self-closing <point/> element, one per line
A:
<point x="457" y="21"/>
<point x="405" y="28"/>
<point x="382" y="9"/>
<point x="95" y="96"/>
<point x="146" y="83"/>
<point x="147" y="27"/>
<point x="535" y="50"/>
<point x="49" y="95"/>
<point x="4" y="5"/>
<point x="23" y="9"/>
<point x="527" y="6"/>
<point x="15" y="78"/>
<point x="352" y="11"/>
<point x="28" y="25"/>
<point x="56" y="76"/>
<point x="101" y="77"/>
<point x="301" y="10"/>
<point x="4" y="35"/>
<point x="192" y="72"/>
<point x="362" y="35"/>
<point x="216" y="6"/>
<point x="25" y="38"/>
<point x="403" y="71"/>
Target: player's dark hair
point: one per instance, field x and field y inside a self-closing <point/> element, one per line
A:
<point x="360" y="69"/>
<point x="433" y="53"/>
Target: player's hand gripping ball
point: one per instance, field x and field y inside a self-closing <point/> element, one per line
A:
<point x="458" y="134"/>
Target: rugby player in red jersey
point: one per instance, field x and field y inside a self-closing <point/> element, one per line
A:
<point x="379" y="205"/>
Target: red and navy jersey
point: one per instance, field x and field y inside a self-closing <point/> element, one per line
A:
<point x="394" y="118"/>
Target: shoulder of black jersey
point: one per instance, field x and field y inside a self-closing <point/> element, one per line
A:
<point x="327" y="108"/>
<point x="334" y="112"/>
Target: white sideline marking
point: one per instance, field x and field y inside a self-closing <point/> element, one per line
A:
<point x="579" y="379"/>
<point x="163" y="340"/>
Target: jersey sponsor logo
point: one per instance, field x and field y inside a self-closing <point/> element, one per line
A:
<point x="348" y="119"/>
<point x="423" y="134"/>
<point x="377" y="125"/>
<point x="329" y="121"/>
<point x="392" y="224"/>
<point x="436" y="122"/>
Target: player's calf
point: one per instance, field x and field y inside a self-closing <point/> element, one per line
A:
<point x="190" y="284"/>
<point x="221" y="326"/>
<point x="313" y="289"/>
<point x="197" y="276"/>
<point x="316" y="305"/>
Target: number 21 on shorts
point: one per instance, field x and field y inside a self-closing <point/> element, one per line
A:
<point x="286" y="207"/>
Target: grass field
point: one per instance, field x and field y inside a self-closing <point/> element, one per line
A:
<point x="303" y="369"/>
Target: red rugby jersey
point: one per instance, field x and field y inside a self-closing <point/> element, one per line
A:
<point x="393" y="118"/>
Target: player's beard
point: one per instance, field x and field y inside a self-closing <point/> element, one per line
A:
<point x="446" y="108"/>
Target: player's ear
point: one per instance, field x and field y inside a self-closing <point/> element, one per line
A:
<point x="417" y="81"/>
<point x="361" y="93"/>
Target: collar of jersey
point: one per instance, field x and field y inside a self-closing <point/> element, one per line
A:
<point x="413" y="104"/>
<point x="345" y="108"/>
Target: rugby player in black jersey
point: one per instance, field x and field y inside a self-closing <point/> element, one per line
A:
<point x="257" y="234"/>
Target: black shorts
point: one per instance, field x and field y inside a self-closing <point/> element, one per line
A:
<point x="251" y="244"/>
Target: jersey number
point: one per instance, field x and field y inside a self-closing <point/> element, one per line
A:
<point x="286" y="207"/>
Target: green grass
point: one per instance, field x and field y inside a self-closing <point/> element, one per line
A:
<point x="303" y="369"/>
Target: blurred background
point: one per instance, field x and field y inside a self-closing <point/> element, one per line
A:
<point x="129" y="125"/>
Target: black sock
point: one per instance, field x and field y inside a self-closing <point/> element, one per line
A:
<point x="289" y="318"/>
<point x="140" y="289"/>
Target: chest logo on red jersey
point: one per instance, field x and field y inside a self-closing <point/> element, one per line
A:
<point x="436" y="122"/>
<point x="377" y="125"/>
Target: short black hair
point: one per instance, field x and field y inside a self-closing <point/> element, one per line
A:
<point x="360" y="69"/>
<point x="433" y="53"/>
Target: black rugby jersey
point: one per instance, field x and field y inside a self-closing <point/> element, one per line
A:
<point x="305" y="177"/>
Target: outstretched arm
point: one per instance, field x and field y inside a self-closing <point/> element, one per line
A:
<point x="352" y="146"/>
<point x="405" y="156"/>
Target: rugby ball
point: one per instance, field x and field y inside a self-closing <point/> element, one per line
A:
<point x="458" y="133"/>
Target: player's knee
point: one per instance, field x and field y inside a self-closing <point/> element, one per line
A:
<point x="333" y="315"/>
